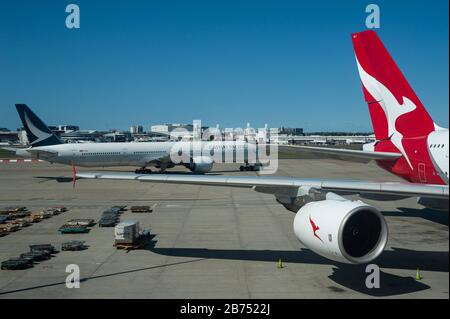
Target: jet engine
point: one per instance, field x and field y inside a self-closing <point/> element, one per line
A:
<point x="342" y="230"/>
<point x="201" y="164"/>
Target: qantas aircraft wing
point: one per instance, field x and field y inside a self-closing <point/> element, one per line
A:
<point x="275" y="184"/>
<point x="344" y="154"/>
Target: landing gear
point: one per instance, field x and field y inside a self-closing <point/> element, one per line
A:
<point x="143" y="170"/>
<point x="250" y="168"/>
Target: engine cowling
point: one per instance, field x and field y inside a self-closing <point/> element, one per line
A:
<point x="342" y="230"/>
<point x="201" y="164"/>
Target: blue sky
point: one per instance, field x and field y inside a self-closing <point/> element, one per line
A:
<point x="229" y="62"/>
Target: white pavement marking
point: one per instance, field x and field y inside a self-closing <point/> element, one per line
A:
<point x="20" y="160"/>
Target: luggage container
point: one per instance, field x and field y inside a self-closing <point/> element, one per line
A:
<point x="81" y="222"/>
<point x="139" y="242"/>
<point x="19" y="214"/>
<point x="29" y="219"/>
<point x="36" y="255"/>
<point x="107" y="222"/>
<point x="16" y="263"/>
<point x="44" y="247"/>
<point x="73" y="245"/>
<point x="107" y="219"/>
<point x="21" y="222"/>
<point x="41" y="215"/>
<point x="129" y="235"/>
<point x="35" y="218"/>
<point x="122" y="208"/>
<point x="73" y="229"/>
<point x="52" y="211"/>
<point x="115" y="210"/>
<point x="127" y="232"/>
<point x="110" y="214"/>
<point x="56" y="210"/>
<point x="59" y="209"/>
<point x="4" y="219"/>
<point x="10" y="227"/>
<point x="12" y="209"/>
<point x="141" y="209"/>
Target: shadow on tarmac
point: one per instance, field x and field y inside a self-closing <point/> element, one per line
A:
<point x="85" y="279"/>
<point x="436" y="216"/>
<point x="350" y="276"/>
<point x="354" y="277"/>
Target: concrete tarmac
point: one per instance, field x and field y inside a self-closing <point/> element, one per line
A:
<point x="212" y="242"/>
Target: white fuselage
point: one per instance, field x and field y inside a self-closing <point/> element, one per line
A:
<point x="131" y="154"/>
<point x="438" y="148"/>
<point x="431" y="169"/>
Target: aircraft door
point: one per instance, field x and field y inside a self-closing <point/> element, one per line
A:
<point x="422" y="173"/>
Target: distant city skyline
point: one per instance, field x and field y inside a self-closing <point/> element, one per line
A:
<point x="147" y="128"/>
<point x="288" y="63"/>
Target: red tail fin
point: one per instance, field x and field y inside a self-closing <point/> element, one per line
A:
<point x="393" y="105"/>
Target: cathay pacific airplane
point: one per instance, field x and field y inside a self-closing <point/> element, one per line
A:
<point x="409" y="145"/>
<point x="45" y="145"/>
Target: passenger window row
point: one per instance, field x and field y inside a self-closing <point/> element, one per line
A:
<point x="102" y="153"/>
<point x="118" y="153"/>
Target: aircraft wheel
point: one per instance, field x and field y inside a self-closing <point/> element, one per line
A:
<point x="143" y="171"/>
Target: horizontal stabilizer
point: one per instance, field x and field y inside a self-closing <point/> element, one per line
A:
<point x="345" y="154"/>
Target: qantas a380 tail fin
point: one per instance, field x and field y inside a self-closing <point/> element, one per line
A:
<point x="394" y="108"/>
<point x="37" y="132"/>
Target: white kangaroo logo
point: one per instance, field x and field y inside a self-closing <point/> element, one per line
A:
<point x="392" y="109"/>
